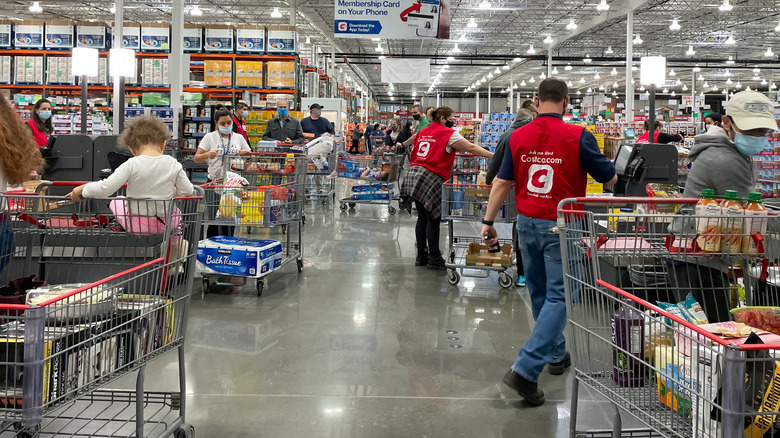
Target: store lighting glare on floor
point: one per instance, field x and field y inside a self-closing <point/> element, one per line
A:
<point x="690" y="51"/>
<point x="769" y="53"/>
<point x="36" y="8"/>
<point x="572" y="25"/>
<point x="472" y="23"/>
<point x="531" y="50"/>
<point x="549" y="39"/>
<point x="726" y="6"/>
<point x="276" y="13"/>
<point x="603" y="6"/>
<point x="675" y="25"/>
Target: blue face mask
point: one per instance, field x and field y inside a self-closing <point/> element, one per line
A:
<point x="44" y="115"/>
<point x="284" y="111"/>
<point x="748" y="145"/>
<point x="226" y="129"/>
<point x="245" y="113"/>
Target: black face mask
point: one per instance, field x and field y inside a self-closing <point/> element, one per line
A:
<point x="416" y="116"/>
<point x="449" y="123"/>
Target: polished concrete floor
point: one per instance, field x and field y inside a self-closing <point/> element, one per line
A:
<point x="364" y="344"/>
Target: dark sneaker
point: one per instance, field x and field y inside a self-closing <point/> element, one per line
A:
<point x="437" y="263"/>
<point x="525" y="388"/>
<point x="558" y="368"/>
<point x="422" y="259"/>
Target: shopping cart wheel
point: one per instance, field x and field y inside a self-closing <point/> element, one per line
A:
<point x="453" y="277"/>
<point x="343" y="206"/>
<point x="300" y="265"/>
<point x="184" y="431"/>
<point x="352" y="205"/>
<point x="391" y="210"/>
<point x="504" y="280"/>
<point x="260" y="285"/>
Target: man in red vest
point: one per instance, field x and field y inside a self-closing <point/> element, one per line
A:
<point x="549" y="162"/>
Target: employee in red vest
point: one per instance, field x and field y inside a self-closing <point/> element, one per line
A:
<point x="660" y="137"/>
<point x="431" y="164"/>
<point x="239" y="125"/>
<point x="549" y="161"/>
<point x="40" y="123"/>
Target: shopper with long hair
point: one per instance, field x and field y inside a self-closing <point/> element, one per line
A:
<point x="431" y="164"/>
<point x="40" y="124"/>
<point x="19" y="155"/>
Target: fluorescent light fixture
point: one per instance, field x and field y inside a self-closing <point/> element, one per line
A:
<point x="726" y="6"/>
<point x="378" y="47"/>
<point x="85" y="61"/>
<point x="652" y="70"/>
<point x="514" y="86"/>
<point x="638" y="40"/>
<point x="763" y="82"/>
<point x="472" y="23"/>
<point x="615" y="85"/>
<point x="685" y="88"/>
<point x="706" y="84"/>
<point x="308" y="41"/>
<point x="376" y="39"/>
<point x="730" y="61"/>
<point x="641" y="88"/>
<point x="696" y="68"/>
<point x="609" y="50"/>
<point x="773" y="86"/>
<point x="555" y="70"/>
<point x="756" y="70"/>
<point x="634" y="68"/>
<point x="647" y="93"/>
<point x="490" y="75"/>
<point x="769" y="53"/>
<point x="122" y="62"/>
<point x="601" y="87"/>
<point x="730" y="41"/>
<point x="597" y="76"/>
<point x="36" y="8"/>
<point x="590" y="90"/>
<point x="485" y="5"/>
<point x="690" y="51"/>
<point x="572" y="25"/>
<point x="613" y="72"/>
<point x="548" y="40"/>
<point x="463" y="38"/>
<point x="666" y="91"/>
<point x="675" y="25"/>
<point x="777" y="29"/>
<point x="113" y="8"/>
<point x="603" y="6"/>
<point x="542" y="76"/>
<point x="568" y="67"/>
<point x="728" y="73"/>
<point x="522" y="84"/>
<point x="382" y="56"/>
<point x="579" y="92"/>
<point x="701" y="77"/>
<point x="532" y="80"/>
<point x="738" y="86"/>
<point x="747" y="88"/>
<point x="678" y="83"/>
<point x="498" y="71"/>
<point x="672" y="73"/>
<point x="531" y="50"/>
<point x="614" y="93"/>
<point x="516" y="60"/>
<point x="729" y="81"/>
<point x="196" y="11"/>
<point x="714" y="88"/>
<point x="587" y="59"/>
<point x="276" y="13"/>
<point x="450" y="59"/>
<point x="570" y="84"/>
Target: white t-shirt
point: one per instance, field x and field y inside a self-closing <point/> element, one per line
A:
<point x="147" y="177"/>
<point x="223" y="146"/>
<point x="455" y="137"/>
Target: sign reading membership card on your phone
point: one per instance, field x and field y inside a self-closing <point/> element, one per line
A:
<point x="401" y="19"/>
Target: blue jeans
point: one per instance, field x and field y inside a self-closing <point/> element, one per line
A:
<point x="540" y="249"/>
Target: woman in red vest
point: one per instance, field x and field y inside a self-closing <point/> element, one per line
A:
<point x="431" y="164"/>
<point x="40" y="124"/>
<point x="658" y="136"/>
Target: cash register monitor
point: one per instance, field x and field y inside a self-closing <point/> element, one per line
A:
<point x="623" y="158"/>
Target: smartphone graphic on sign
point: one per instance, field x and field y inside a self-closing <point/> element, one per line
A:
<point x="427" y="18"/>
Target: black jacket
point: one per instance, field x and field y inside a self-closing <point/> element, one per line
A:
<point x="400" y="139"/>
<point x="503" y="145"/>
<point x="292" y="130"/>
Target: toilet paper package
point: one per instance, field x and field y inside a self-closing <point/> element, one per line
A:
<point x="239" y="256"/>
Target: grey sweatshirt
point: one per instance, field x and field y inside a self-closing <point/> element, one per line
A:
<point x="718" y="165"/>
<point x="494" y="165"/>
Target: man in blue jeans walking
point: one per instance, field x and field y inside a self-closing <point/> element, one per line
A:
<point x="549" y="161"/>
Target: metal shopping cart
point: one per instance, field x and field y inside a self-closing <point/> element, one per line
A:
<point x="260" y="190"/>
<point x="467" y="256"/>
<point x="624" y="260"/>
<point x="64" y="341"/>
<point x="318" y="186"/>
<point x="369" y="179"/>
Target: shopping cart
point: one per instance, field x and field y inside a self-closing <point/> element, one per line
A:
<point x="260" y="191"/>
<point x="468" y="168"/>
<point x="369" y="179"/>
<point x="318" y="186"/>
<point x="627" y="263"/>
<point x="64" y="341"/>
<point x="467" y="256"/>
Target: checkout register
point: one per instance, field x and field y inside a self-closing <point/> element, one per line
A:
<point x="639" y="164"/>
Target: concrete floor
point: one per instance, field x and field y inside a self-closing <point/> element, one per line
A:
<point x="363" y="344"/>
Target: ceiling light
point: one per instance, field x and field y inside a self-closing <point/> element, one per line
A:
<point x="542" y="76"/>
<point x="603" y="6"/>
<point x="696" y="69"/>
<point x="614" y="93"/>
<point x="505" y="67"/>
<point x="36" y="8"/>
<point x="597" y="76"/>
<point x="609" y="50"/>
<point x="675" y="25"/>
<point x="638" y="40"/>
<point x="613" y="72"/>
<point x="376" y="39"/>
<point x="532" y="80"/>
<point x="701" y="77"/>
<point x="672" y="73"/>
<point x="769" y="53"/>
<point x="647" y="93"/>
<point x="308" y="41"/>
<point x="472" y="23"/>
<point x="498" y="71"/>
<point x="756" y="77"/>
<point x="729" y="81"/>
<point x="706" y="84"/>
<point x="450" y="59"/>
<point x="466" y="90"/>
<point x="690" y="51"/>
<point x="113" y="8"/>
<point x="726" y="6"/>
<point x="679" y="82"/>
<point x="685" y="88"/>
<point x="490" y="76"/>
<point x="463" y="38"/>
<point x="514" y="86"/>
<point x="615" y="85"/>
<point x="738" y="86"/>
<point x="582" y="80"/>
<point x="730" y="41"/>
<point x="522" y="84"/>
<point x="728" y="73"/>
<point x="666" y="91"/>
<point x="531" y="50"/>
<point x="572" y="25"/>
<point x="730" y="61"/>
<point x="590" y="90"/>
<point x="568" y="67"/>
<point x="601" y="87"/>
<point x="196" y="11"/>
<point x="516" y="60"/>
<point x="555" y="70"/>
<point x="634" y="68"/>
<point x="548" y="40"/>
<point x="714" y="88"/>
<point x="587" y="59"/>
<point x="382" y="57"/>
<point x="378" y="47"/>
<point x="393" y="98"/>
<point x="579" y="92"/>
<point x="570" y="84"/>
<point x="276" y="13"/>
<point x="747" y="88"/>
<point x="763" y="82"/>
<point x="456" y="49"/>
<point x="641" y="88"/>
<point x="773" y="86"/>
<point x="485" y="5"/>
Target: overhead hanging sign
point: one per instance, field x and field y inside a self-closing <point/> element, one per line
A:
<point x="401" y="19"/>
<point x="687" y="101"/>
<point x="406" y="71"/>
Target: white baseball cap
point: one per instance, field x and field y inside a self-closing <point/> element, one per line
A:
<point x="751" y="110"/>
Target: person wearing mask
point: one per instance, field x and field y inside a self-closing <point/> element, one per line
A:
<point x="316" y="124"/>
<point x="523" y="117"/>
<point x="40" y="124"/>
<point x="431" y="164"/>
<point x="283" y="128"/>
<point x="423" y="118"/>
<point x="239" y="115"/>
<point x="367" y="137"/>
<point x="395" y="136"/>
<point x="659" y="137"/>
<point x="721" y="159"/>
<point x="569" y="154"/>
<point x="712" y="119"/>
<point x="355" y="148"/>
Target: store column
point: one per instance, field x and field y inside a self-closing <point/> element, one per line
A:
<point x="490" y="95"/>
<point x="119" y="82"/>
<point x="476" y="113"/>
<point x="629" y="72"/>
<point x="179" y="66"/>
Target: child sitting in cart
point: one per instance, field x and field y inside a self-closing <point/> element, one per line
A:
<point x="149" y="175"/>
<point x="374" y="174"/>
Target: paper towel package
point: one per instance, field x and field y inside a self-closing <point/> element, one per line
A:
<point x="239" y="256"/>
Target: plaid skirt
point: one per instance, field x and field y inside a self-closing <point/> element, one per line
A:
<point x="420" y="184"/>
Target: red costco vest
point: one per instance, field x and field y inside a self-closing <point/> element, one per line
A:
<point x="430" y="150"/>
<point x="646" y="136"/>
<point x="240" y="128"/>
<point x="40" y="137"/>
<point x="546" y="155"/>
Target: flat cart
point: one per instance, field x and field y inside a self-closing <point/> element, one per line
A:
<point x="467" y="203"/>
<point x="68" y="337"/>
<point x="627" y="264"/>
<point x="260" y="190"/>
<point x="369" y="179"/>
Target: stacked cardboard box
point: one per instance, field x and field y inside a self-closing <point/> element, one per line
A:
<point x="28" y="69"/>
<point x="281" y="74"/>
<point x="59" y="70"/>
<point x="154" y="72"/>
<point x="102" y="76"/>
<point x="218" y="73"/>
<point x="5" y="69"/>
<point x="250" y="74"/>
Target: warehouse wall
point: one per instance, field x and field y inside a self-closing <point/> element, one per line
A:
<point x="469" y="104"/>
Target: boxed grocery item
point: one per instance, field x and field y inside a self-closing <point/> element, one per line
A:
<point x="282" y="40"/>
<point x="193" y="38"/>
<point x="5" y="34"/>
<point x="239" y="256"/>
<point x="88" y="35"/>
<point x="155" y="37"/>
<point x="705" y="375"/>
<point x="209" y="72"/>
<point x="281" y="74"/>
<point x="29" y="35"/>
<point x="675" y="382"/>
<point x="59" y="35"/>
<point x="250" y="39"/>
<point x="477" y="255"/>
<point x="218" y="39"/>
<point x="131" y="36"/>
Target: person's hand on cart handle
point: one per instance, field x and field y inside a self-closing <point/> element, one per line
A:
<point x="212" y="154"/>
<point x="75" y="195"/>
<point x="489" y="235"/>
<point x="243" y="152"/>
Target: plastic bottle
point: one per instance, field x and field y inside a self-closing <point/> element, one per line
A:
<point x="732" y="222"/>
<point x="708" y="228"/>
<point x="755" y="222"/>
<point x="628" y="350"/>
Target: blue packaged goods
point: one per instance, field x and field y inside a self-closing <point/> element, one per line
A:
<point x="239" y="256"/>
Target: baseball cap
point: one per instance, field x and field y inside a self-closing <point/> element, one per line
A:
<point x="751" y="110"/>
<point x="315" y="106"/>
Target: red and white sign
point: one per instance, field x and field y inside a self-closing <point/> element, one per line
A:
<point x="401" y="113"/>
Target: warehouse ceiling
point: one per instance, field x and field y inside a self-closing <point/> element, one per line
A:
<point x="503" y="35"/>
